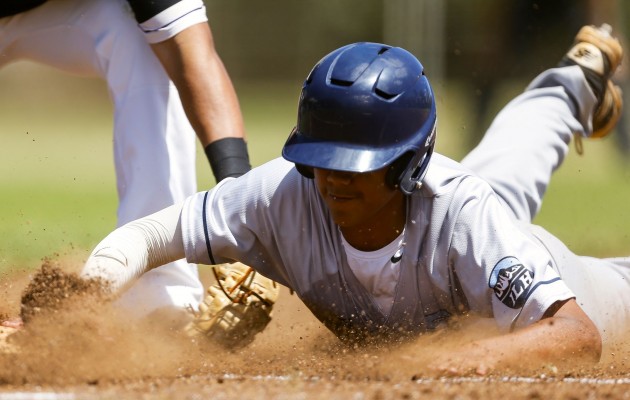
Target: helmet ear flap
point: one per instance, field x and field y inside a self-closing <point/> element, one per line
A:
<point x="305" y="171"/>
<point x="397" y="169"/>
<point x="411" y="178"/>
<point x="407" y="172"/>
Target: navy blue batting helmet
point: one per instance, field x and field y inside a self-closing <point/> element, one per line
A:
<point x="363" y="107"/>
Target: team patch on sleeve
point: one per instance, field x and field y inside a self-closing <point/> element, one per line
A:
<point x="511" y="282"/>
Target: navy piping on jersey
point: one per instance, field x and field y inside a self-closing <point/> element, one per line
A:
<point x="205" y="228"/>
<point x="170" y="23"/>
<point x="530" y="292"/>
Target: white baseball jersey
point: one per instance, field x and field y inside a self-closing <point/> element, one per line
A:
<point x="154" y="144"/>
<point x="462" y="253"/>
<point x="468" y="244"/>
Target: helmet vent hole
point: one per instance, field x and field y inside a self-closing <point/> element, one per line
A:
<point x="340" y="82"/>
<point x="382" y="50"/>
<point x="383" y="94"/>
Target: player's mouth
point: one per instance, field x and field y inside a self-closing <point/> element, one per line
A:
<point x="341" y="197"/>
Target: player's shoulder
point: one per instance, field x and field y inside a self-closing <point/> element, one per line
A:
<point x="277" y="166"/>
<point x="447" y="175"/>
<point x="271" y="185"/>
<point x="272" y="177"/>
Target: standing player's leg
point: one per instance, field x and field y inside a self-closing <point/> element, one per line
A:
<point x="154" y="152"/>
<point x="154" y="144"/>
<point x="530" y="137"/>
<point x="50" y="34"/>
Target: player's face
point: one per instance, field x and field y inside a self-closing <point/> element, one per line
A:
<point x="362" y="203"/>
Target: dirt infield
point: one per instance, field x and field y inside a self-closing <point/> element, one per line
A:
<point x="85" y="349"/>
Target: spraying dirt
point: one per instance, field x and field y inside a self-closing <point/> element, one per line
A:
<point x="75" y="340"/>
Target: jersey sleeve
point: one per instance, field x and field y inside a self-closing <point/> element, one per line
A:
<point x="503" y="272"/>
<point x="235" y="221"/>
<point x="162" y="19"/>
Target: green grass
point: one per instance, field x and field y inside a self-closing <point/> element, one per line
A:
<point x="57" y="186"/>
<point x="588" y="205"/>
<point x="38" y="222"/>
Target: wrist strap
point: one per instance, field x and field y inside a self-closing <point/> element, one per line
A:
<point x="228" y="158"/>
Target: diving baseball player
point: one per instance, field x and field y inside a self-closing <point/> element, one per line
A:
<point x="383" y="238"/>
<point x="154" y="142"/>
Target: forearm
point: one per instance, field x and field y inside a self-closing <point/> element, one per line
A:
<point x="208" y="97"/>
<point x="558" y="340"/>
<point x="137" y="247"/>
<point x="204" y="86"/>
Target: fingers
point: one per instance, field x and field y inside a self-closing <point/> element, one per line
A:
<point x="15" y="323"/>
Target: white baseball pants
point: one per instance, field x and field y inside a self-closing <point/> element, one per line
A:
<point x="154" y="144"/>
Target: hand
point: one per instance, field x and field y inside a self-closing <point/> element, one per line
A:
<point x="8" y="327"/>
<point x="15" y="323"/>
<point x="565" y="337"/>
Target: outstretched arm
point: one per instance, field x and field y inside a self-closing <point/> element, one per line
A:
<point x="137" y="247"/>
<point x="565" y="335"/>
<point x="208" y="96"/>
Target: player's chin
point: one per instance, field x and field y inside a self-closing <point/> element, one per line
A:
<point x="343" y="218"/>
<point x="342" y="212"/>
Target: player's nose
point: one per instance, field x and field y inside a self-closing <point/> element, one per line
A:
<point x="340" y="177"/>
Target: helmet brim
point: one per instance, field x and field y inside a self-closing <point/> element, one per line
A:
<point x="337" y="156"/>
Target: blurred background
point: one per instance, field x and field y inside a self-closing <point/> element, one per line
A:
<point x="57" y="188"/>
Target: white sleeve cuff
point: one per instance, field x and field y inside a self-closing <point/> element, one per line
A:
<point x="173" y="20"/>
